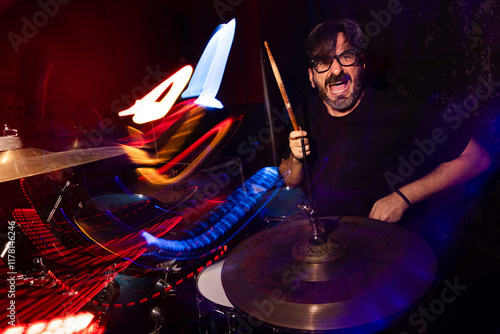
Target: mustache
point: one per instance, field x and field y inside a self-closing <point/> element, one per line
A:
<point x="336" y="78"/>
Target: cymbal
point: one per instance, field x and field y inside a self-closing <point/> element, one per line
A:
<point x="27" y="162"/>
<point x="383" y="269"/>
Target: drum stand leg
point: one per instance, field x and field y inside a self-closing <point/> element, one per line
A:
<point x="231" y="324"/>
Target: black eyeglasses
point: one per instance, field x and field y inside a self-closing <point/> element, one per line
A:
<point x="346" y="58"/>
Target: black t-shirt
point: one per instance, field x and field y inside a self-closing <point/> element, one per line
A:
<point x="385" y="142"/>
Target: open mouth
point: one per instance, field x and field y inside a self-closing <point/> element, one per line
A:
<point x="339" y="86"/>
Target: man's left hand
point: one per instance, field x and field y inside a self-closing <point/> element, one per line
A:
<point x="389" y="208"/>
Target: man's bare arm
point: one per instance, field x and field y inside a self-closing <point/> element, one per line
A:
<point x="473" y="161"/>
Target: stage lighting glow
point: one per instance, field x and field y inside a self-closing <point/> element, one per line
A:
<point x="221" y="221"/>
<point x="207" y="76"/>
<point x="72" y="324"/>
<point x="149" y="108"/>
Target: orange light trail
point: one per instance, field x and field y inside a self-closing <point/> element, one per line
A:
<point x="190" y="115"/>
<point x="217" y="133"/>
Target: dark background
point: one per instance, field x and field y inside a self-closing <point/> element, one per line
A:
<point x="90" y="59"/>
<point x="88" y="54"/>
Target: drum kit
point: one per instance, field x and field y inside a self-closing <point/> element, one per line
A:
<point x="304" y="275"/>
<point x="332" y="274"/>
<point x="345" y="274"/>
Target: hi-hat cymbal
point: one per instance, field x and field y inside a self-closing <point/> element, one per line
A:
<point x="21" y="163"/>
<point x="383" y="270"/>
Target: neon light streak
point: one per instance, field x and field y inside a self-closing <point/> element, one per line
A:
<point x="149" y="108"/>
<point x="192" y="115"/>
<point x="178" y="111"/>
<point x="156" y="177"/>
<point x="205" y="84"/>
<point x="208" y="74"/>
<point x="225" y="217"/>
<point x="63" y="325"/>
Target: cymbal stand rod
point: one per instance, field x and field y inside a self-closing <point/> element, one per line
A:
<point x="56" y="205"/>
<point x="306" y="171"/>
<point x="313" y="216"/>
<point x="156" y="146"/>
<point x="316" y="234"/>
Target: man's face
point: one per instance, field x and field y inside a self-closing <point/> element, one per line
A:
<point x="341" y="87"/>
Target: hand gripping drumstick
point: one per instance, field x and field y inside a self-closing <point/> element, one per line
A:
<point x="290" y="114"/>
<point x="282" y="88"/>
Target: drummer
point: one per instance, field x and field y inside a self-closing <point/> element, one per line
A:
<point x="370" y="153"/>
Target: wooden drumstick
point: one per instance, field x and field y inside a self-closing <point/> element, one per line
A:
<point x="282" y="88"/>
<point x="291" y="115"/>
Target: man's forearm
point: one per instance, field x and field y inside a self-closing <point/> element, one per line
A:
<point x="473" y="161"/>
<point x="292" y="170"/>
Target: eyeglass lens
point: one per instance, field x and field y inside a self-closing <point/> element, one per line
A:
<point x="346" y="58"/>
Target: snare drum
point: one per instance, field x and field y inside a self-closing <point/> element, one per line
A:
<point x="216" y="313"/>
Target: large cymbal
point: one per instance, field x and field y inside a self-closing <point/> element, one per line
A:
<point x="382" y="270"/>
<point x="27" y="162"/>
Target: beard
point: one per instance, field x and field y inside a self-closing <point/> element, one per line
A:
<point x="343" y="102"/>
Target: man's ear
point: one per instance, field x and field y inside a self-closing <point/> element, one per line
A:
<point x="309" y="70"/>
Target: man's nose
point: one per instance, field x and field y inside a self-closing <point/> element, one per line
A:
<point x="336" y="68"/>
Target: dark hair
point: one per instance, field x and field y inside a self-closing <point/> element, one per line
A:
<point x="322" y="40"/>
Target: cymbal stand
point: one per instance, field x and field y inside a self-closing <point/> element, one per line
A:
<point x="319" y="248"/>
<point x="313" y="214"/>
<point x="58" y="201"/>
<point x="317" y="236"/>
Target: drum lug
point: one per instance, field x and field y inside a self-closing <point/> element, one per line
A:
<point x="165" y="288"/>
<point x="157" y="316"/>
<point x="109" y="294"/>
<point x="231" y="316"/>
<point x="199" y="302"/>
<point x="167" y="265"/>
